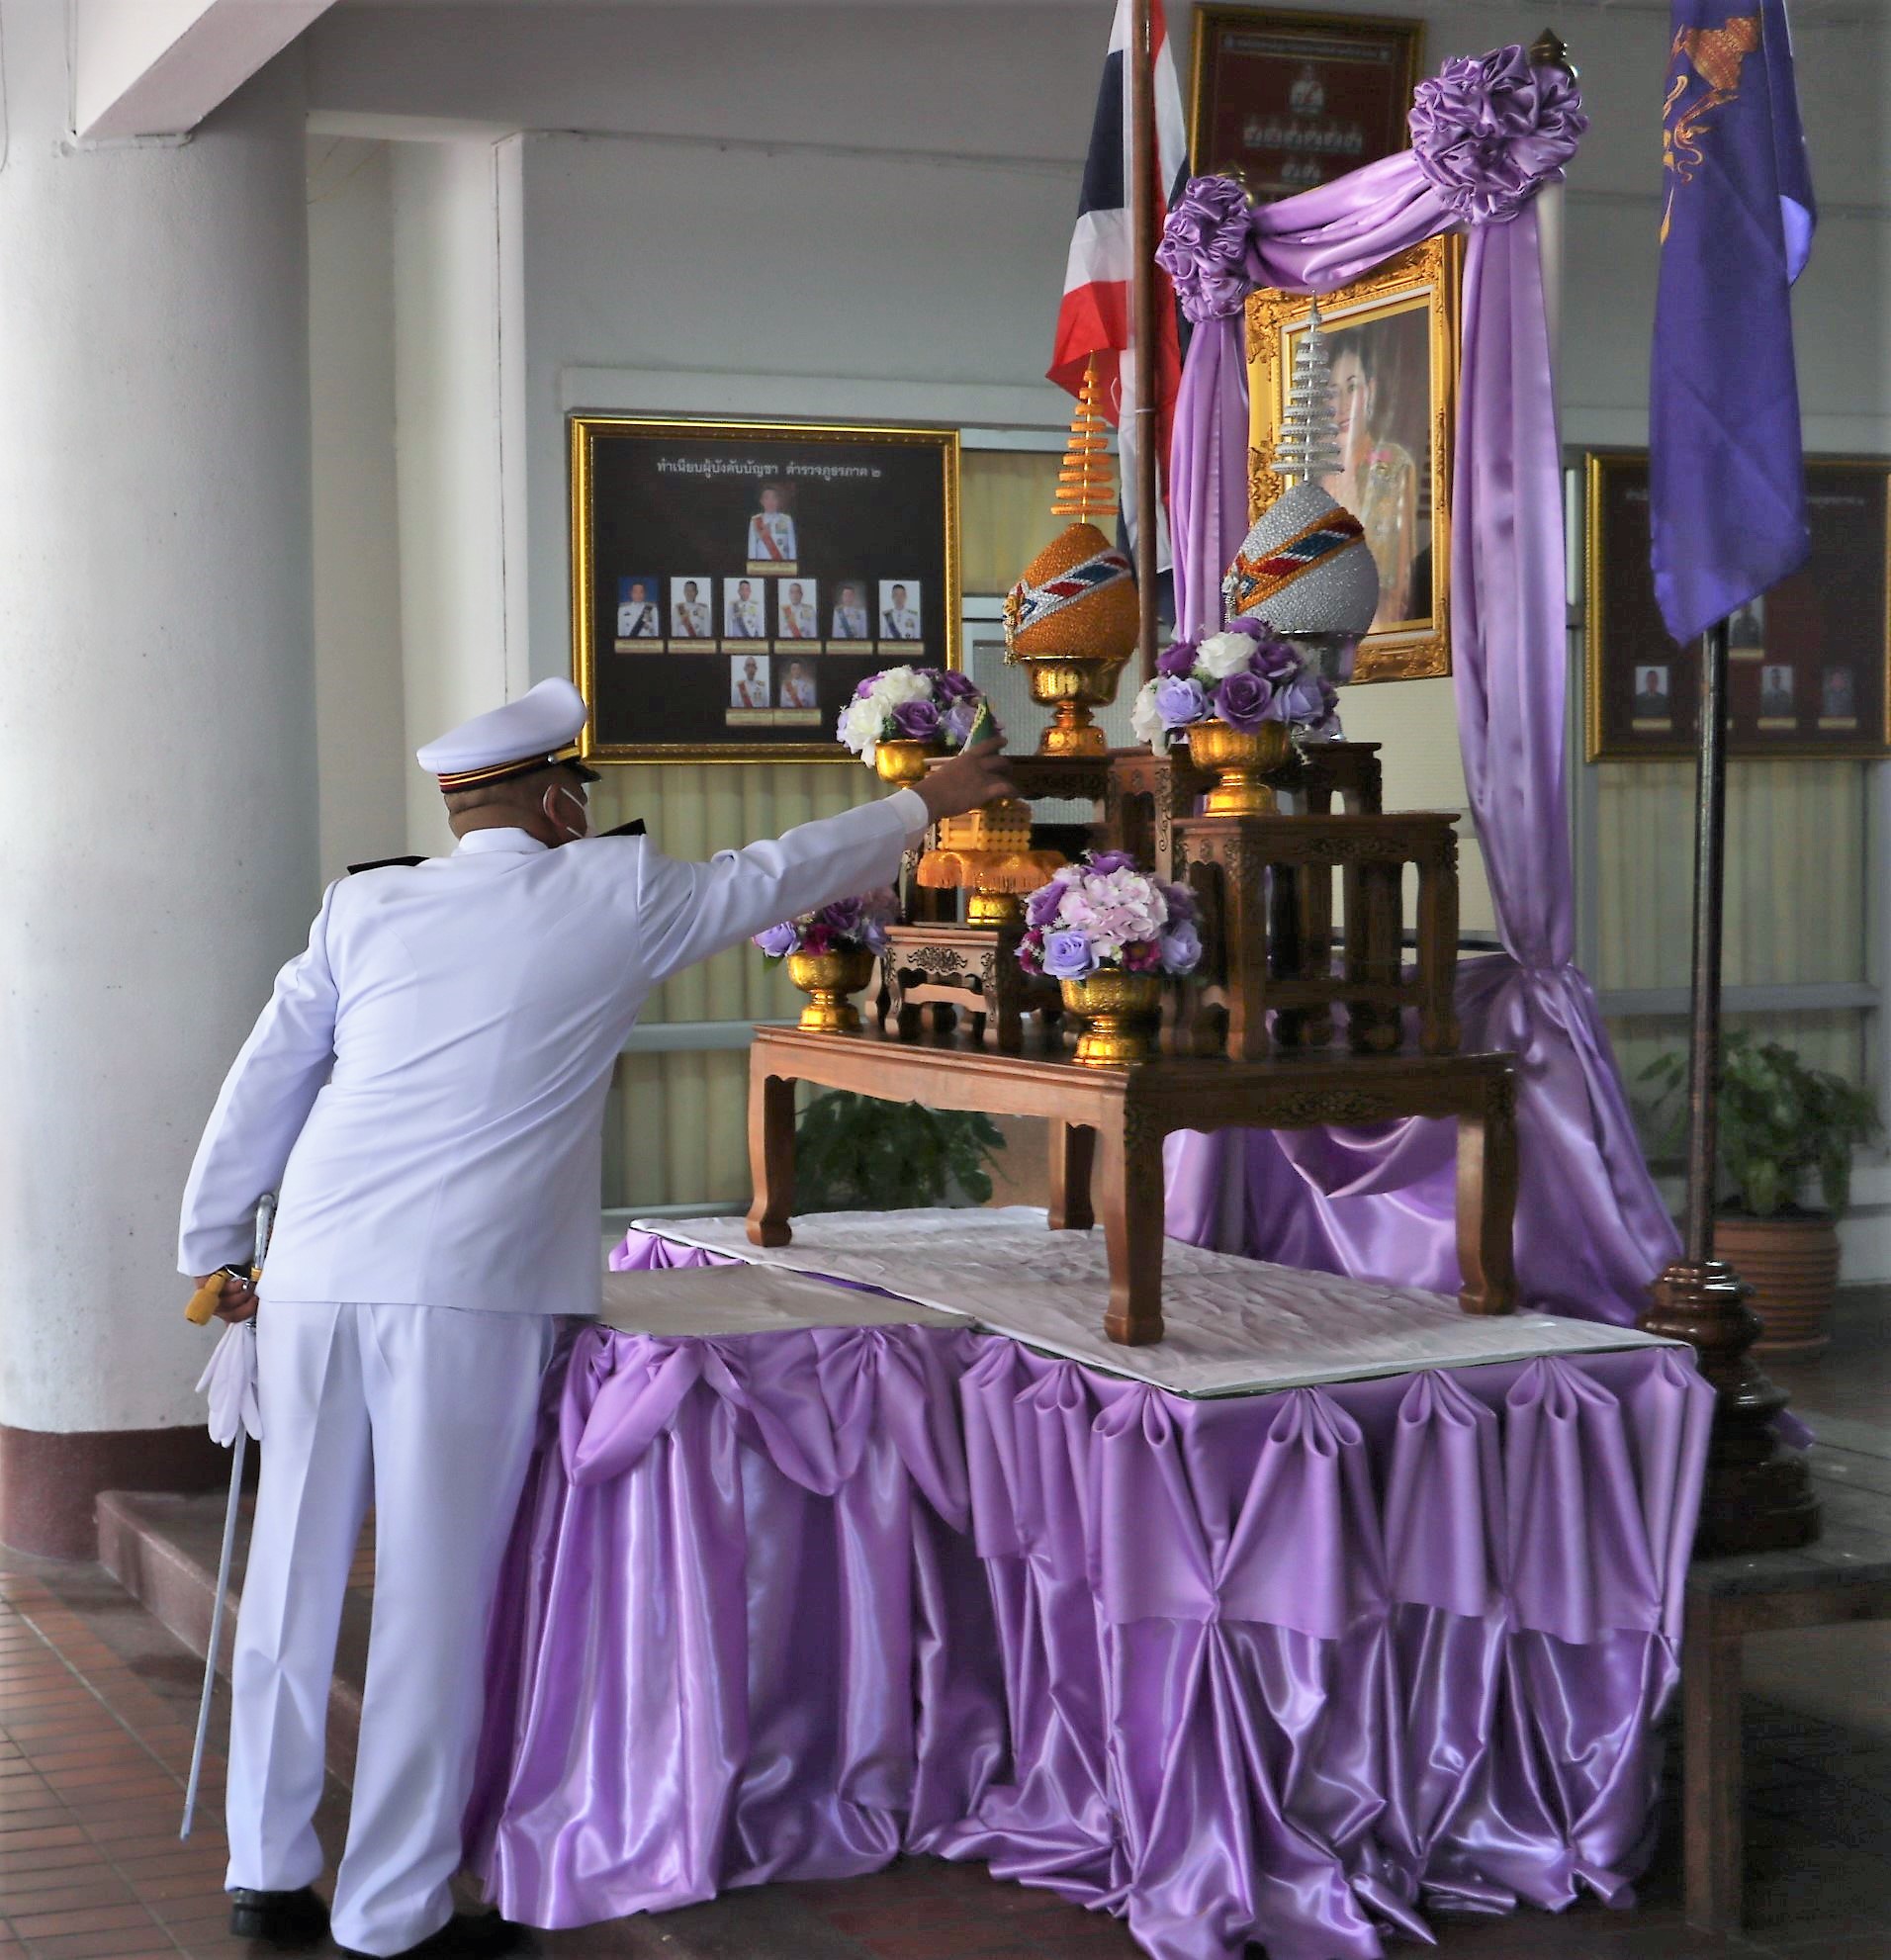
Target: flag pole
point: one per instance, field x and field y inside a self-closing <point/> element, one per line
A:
<point x="1757" y="1496"/>
<point x="1142" y="233"/>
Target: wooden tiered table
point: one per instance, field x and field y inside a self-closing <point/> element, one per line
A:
<point x="1111" y="1120"/>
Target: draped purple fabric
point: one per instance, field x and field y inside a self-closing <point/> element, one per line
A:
<point x="1378" y="1204"/>
<point x="1288" y="1669"/>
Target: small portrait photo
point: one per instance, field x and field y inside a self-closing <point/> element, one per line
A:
<point x="1746" y="630"/>
<point x="797" y="687"/>
<point x="1651" y="692"/>
<point x="748" y="680"/>
<point x="691" y="615"/>
<point x="637" y="615"/>
<point x="1775" y="693"/>
<point x="1838" y="695"/>
<point x="797" y="610"/>
<point x="772" y="540"/>
<point x="745" y="605"/>
<point x="851" y="620"/>
<point x="899" y="609"/>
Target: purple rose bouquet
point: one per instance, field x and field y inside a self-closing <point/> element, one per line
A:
<point x="1245" y="676"/>
<point x="846" y="924"/>
<point x="908" y="704"/>
<point x="1103" y="911"/>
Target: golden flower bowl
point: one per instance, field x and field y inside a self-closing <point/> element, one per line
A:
<point x="904" y="762"/>
<point x="1119" y="1012"/>
<point x="1241" y="763"/>
<point x="1071" y="685"/>
<point x="828" y="978"/>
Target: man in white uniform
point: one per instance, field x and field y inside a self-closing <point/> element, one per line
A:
<point x="744" y="614"/>
<point x="691" y="613"/>
<point x="899" y="621"/>
<point x="797" y="615"/>
<point x="770" y="530"/>
<point x="425" y="1089"/>
<point x="636" y="616"/>
<point x="850" y="615"/>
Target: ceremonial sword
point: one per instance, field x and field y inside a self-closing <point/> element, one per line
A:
<point x="202" y="1305"/>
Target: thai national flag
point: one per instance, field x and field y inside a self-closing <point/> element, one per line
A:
<point x="1095" y="315"/>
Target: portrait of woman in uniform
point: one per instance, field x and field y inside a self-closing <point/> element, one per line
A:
<point x="1392" y="349"/>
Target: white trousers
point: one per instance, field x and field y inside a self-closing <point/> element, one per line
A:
<point x="433" y="1411"/>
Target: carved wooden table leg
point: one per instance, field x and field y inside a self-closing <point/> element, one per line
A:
<point x="1129" y="1196"/>
<point x="1487" y="1202"/>
<point x="771" y="1154"/>
<point x="1711" y="1785"/>
<point x="1073" y="1149"/>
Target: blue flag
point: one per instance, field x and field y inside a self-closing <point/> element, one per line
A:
<point x="1727" y="495"/>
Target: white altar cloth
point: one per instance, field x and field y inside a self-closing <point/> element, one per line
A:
<point x="1234" y="1326"/>
<point x="749" y="1300"/>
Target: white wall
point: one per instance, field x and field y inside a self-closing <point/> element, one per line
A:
<point x="360" y="713"/>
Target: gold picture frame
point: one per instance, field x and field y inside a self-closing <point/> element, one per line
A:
<point x="1399" y="324"/>
<point x="1809" y="662"/>
<point x="1286" y="101"/>
<point x="716" y="593"/>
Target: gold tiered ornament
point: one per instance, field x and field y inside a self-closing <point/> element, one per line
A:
<point x="987" y="852"/>
<point x="1072" y="618"/>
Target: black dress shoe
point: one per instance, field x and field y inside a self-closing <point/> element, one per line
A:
<point x="464" y="1936"/>
<point x="282" y="1918"/>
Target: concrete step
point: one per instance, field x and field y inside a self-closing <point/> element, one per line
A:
<point x="163" y="1550"/>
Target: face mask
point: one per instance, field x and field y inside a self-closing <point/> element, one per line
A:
<point x="571" y="836"/>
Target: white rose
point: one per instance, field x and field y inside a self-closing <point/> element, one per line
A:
<point x="1144" y="722"/>
<point x="1223" y="654"/>
<point x="860" y="724"/>
<point x="900" y="684"/>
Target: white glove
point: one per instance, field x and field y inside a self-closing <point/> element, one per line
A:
<point x="231" y="1380"/>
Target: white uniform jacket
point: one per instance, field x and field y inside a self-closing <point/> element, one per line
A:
<point x="426" y="1086"/>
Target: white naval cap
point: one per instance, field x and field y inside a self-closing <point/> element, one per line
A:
<point x="511" y="740"/>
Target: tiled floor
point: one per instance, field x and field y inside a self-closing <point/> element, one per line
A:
<point x="97" y="1702"/>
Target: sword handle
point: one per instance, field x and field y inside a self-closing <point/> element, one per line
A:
<point x="203" y="1302"/>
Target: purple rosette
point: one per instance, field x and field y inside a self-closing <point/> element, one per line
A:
<point x="950" y="686"/>
<point x="1204" y="248"/>
<point x="1180" y="702"/>
<point x="1243" y="701"/>
<point x="1179" y="901"/>
<point x="777" y="942"/>
<point x="1489" y="132"/>
<point x="866" y="688"/>
<point x="1276" y="660"/>
<point x="1177" y="660"/>
<point x="917" y="721"/>
<point x="1181" y="948"/>
<point x="957" y="722"/>
<point x="1069" y="955"/>
<point x="1041" y="908"/>
<point x="1305" y="699"/>
<point x="843" y="915"/>
<point x="1104" y="861"/>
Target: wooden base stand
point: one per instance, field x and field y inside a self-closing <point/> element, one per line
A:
<point x="1759" y="1490"/>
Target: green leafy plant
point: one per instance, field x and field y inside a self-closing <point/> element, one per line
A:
<point x="856" y="1153"/>
<point x="1778" y="1121"/>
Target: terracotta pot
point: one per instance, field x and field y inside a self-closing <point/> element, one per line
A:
<point x="1791" y="1263"/>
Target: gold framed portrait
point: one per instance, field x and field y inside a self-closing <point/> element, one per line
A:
<point x="1393" y="341"/>
<point x="732" y="583"/>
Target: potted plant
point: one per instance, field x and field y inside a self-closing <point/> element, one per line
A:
<point x="856" y="1153"/>
<point x="1236" y="698"/>
<point x="1108" y="933"/>
<point x="1779" y="1125"/>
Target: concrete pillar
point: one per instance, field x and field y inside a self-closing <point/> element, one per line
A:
<point x="157" y="786"/>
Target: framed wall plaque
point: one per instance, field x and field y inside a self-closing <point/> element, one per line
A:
<point x="1393" y="340"/>
<point x="1288" y="100"/>
<point x="733" y="582"/>
<point x="1807" y="662"/>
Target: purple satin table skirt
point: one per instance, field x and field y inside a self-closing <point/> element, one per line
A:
<point x="1285" y="1668"/>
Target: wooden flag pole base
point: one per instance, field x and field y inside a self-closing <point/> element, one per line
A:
<point x="1759" y="1489"/>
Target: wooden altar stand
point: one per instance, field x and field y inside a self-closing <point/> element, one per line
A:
<point x="1110" y="1122"/>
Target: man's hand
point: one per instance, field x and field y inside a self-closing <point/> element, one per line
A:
<point x="972" y="777"/>
<point x="238" y="1301"/>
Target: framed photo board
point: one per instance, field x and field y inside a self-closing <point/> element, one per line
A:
<point x="1393" y="340"/>
<point x="1288" y="100"/>
<point x="733" y="582"/>
<point x="1807" y="662"/>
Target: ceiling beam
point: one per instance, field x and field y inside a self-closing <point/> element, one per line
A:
<point x="158" y="67"/>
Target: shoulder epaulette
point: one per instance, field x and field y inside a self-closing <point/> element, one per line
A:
<point x="635" y="828"/>
<point x="381" y="864"/>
